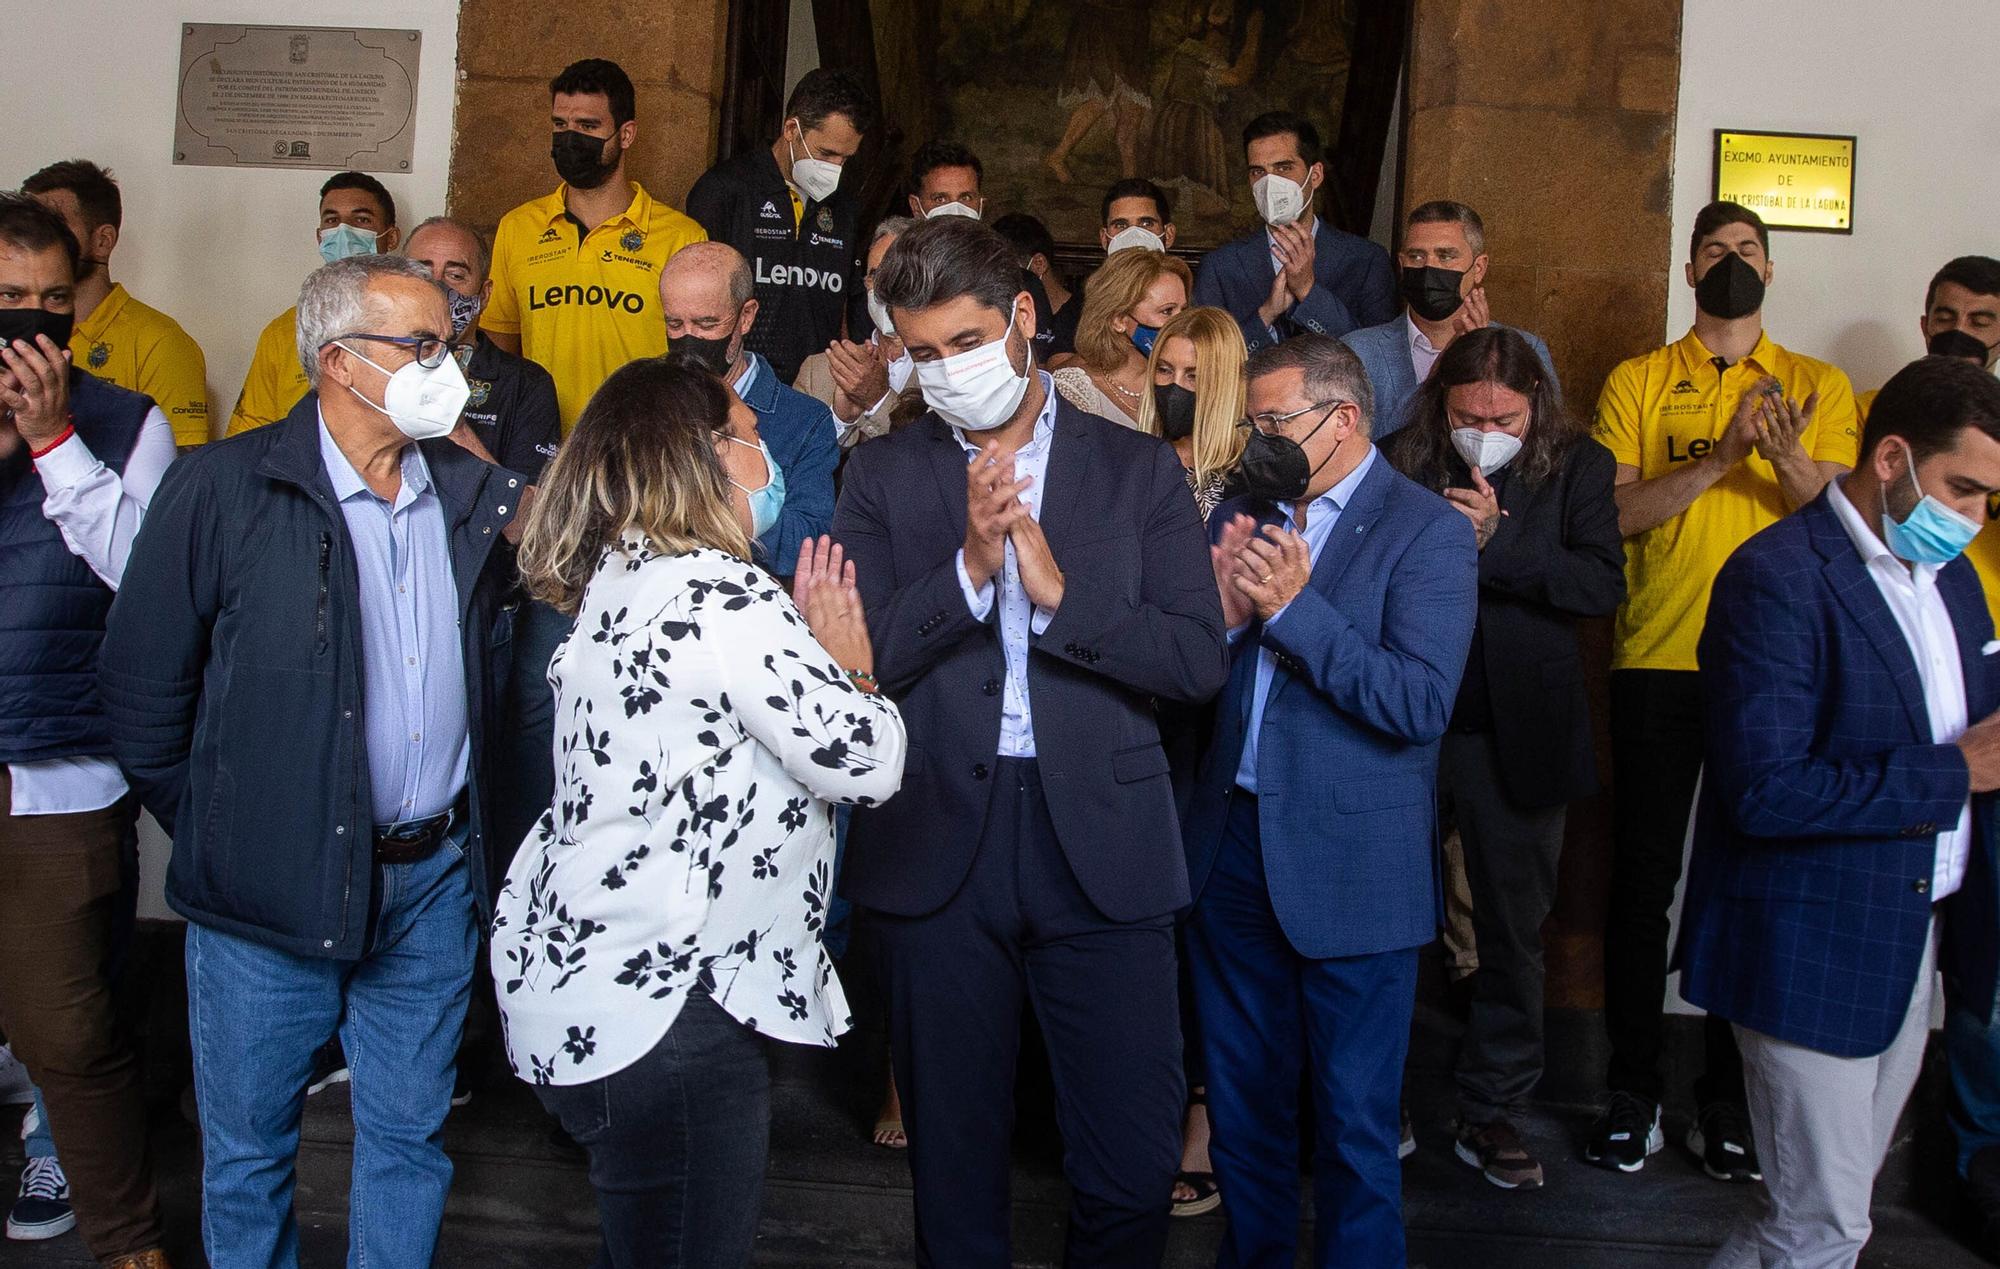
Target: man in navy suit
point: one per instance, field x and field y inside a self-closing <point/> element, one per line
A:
<point x="1297" y="275"/>
<point x="1350" y="594"/>
<point x="1036" y="578"/>
<point x="1441" y="277"/>
<point x="1842" y="849"/>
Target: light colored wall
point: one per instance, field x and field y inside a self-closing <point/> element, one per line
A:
<point x="1909" y="84"/>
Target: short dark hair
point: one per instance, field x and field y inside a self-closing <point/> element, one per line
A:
<point x="1929" y="402"/>
<point x="1278" y="123"/>
<point x="826" y="92"/>
<point x="599" y="75"/>
<point x="1027" y="235"/>
<point x="1136" y="187"/>
<point x="95" y="192"/>
<point x="27" y="225"/>
<point x="1443" y="211"/>
<point x="368" y="185"/>
<point x="932" y="155"/>
<point x="941" y="259"/>
<point x="1977" y="274"/>
<point x="1332" y="371"/>
<point x="1721" y="213"/>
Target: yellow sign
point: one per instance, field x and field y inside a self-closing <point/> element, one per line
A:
<point x="1793" y="180"/>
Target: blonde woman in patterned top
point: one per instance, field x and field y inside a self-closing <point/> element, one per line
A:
<point x="664" y="916"/>
<point x="1197" y="399"/>
<point x="1130" y="297"/>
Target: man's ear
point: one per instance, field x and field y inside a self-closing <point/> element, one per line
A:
<point x="628" y="132"/>
<point x="386" y="241"/>
<point x="1167" y="233"/>
<point x="1479" y="263"/>
<point x="748" y="318"/>
<point x="103" y="241"/>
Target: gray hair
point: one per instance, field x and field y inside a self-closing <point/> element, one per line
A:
<point x="715" y="257"/>
<point x="1332" y="372"/>
<point x="939" y="260"/>
<point x="481" y="253"/>
<point x="893" y="227"/>
<point x="334" y="301"/>
<point x="1443" y="211"/>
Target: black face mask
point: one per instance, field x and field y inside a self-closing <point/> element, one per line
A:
<point x="1275" y="468"/>
<point x="711" y="355"/>
<point x="1175" y="406"/>
<point x="1731" y="288"/>
<point x="1431" y="292"/>
<point x="580" y="159"/>
<point x="26" y="323"/>
<point x="1957" y="343"/>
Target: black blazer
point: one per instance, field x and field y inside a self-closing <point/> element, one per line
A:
<point x="1140" y="619"/>
<point x="1556" y="556"/>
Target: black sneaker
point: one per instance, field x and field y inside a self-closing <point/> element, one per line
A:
<point x="42" y="1210"/>
<point x="461" y="1088"/>
<point x="1627" y="1132"/>
<point x="1720" y="1138"/>
<point x="329" y="1068"/>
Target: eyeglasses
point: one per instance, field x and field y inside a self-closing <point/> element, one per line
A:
<point x="429" y="352"/>
<point x="1268" y="423"/>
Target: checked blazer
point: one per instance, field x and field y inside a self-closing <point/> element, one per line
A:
<point x="1808" y="895"/>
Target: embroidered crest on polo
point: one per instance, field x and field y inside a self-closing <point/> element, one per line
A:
<point x="825" y="221"/>
<point x="633" y="240"/>
<point x="100" y="352"/>
<point x="481" y="390"/>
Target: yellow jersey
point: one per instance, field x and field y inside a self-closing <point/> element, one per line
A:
<point x="1985" y="549"/>
<point x="584" y="304"/>
<point x="136" y="346"/>
<point x="1669" y="407"/>
<point x="276" y="381"/>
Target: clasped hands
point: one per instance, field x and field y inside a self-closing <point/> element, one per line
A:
<point x="1258" y="573"/>
<point x="995" y="515"/>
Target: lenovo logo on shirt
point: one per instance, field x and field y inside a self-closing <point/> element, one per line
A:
<point x="589" y="297"/>
<point x="799" y="275"/>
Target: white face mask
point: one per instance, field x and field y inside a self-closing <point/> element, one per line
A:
<point x="1135" y="236"/>
<point x="423" y="404"/>
<point x="815" y="178"/>
<point x="952" y="209"/>
<point x="878" y="313"/>
<point x="976" y="390"/>
<point x="1280" y="200"/>
<point x="899" y="373"/>
<point x="1488" y="451"/>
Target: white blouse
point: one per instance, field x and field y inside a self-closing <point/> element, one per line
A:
<point x="701" y="731"/>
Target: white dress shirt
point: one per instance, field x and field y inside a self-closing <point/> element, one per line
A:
<point x="1018" y="618"/>
<point x="97" y="511"/>
<point x="1912" y="595"/>
<point x="1423" y="353"/>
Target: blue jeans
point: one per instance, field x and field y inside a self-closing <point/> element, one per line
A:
<point x="255" y="1015"/>
<point x="678" y="1142"/>
<point x="1972" y="1050"/>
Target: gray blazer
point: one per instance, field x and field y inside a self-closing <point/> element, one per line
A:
<point x="1385" y="354"/>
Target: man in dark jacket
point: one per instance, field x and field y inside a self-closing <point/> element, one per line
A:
<point x="302" y="708"/>
<point x="785" y="209"/>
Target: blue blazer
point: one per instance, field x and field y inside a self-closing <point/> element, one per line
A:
<point x="803" y="439"/>
<point x="1385" y="354"/>
<point x="1369" y="656"/>
<point x="1353" y="285"/>
<point x="1808" y="893"/>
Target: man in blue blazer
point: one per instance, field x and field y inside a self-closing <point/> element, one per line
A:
<point x="1297" y="275"/>
<point x="1350" y="594"/>
<point x="1441" y="277"/>
<point x="1843" y="848"/>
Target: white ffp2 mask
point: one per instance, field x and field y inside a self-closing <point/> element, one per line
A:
<point x="976" y="390"/>
<point x="1280" y="200"/>
<point x="423" y="404"/>
<point x="1488" y="451"/>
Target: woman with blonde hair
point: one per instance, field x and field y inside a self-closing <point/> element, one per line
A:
<point x="664" y="916"/>
<point x="1196" y="404"/>
<point x="1130" y="297"/>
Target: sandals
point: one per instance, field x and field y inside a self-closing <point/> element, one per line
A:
<point x="1207" y="1193"/>
<point x="889" y="1135"/>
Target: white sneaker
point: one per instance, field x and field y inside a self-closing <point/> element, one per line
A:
<point x="42" y="1211"/>
<point x="16" y="1089"/>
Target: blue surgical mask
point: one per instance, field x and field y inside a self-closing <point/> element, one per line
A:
<point x="765" y="503"/>
<point x="1143" y="337"/>
<point x="341" y="241"/>
<point x="1932" y="533"/>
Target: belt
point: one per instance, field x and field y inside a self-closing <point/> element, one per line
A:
<point x="414" y="840"/>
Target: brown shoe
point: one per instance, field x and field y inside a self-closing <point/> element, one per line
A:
<point x="153" y="1258"/>
<point x="1496" y="1150"/>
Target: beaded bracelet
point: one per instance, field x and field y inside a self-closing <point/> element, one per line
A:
<point x="864" y="680"/>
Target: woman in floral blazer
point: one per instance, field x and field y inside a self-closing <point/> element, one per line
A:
<point x="665" y="914"/>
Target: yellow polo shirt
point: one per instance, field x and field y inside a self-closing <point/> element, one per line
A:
<point x="1985" y="549"/>
<point x="1669" y="407"/>
<point x="136" y="346"/>
<point x="276" y="381"/>
<point x="584" y="304"/>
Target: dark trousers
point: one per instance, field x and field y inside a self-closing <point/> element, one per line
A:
<point x="62" y="900"/>
<point x="678" y="1142"/>
<point x="1267" y="1014"/>
<point x="1656" y="751"/>
<point x="1019" y="931"/>
<point x="1510" y="864"/>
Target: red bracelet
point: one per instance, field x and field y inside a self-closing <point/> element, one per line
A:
<point x="68" y="431"/>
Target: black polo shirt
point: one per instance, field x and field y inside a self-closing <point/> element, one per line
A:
<point x="512" y="408"/>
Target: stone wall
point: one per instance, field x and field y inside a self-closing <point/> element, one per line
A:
<point x="507" y="53"/>
<point x="1555" y="119"/>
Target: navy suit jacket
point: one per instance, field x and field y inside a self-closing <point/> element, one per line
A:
<point x="1140" y="619"/>
<point x="1808" y="894"/>
<point x="804" y="441"/>
<point x="1369" y="656"/>
<point x="1353" y="284"/>
<point x="1385" y="354"/>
